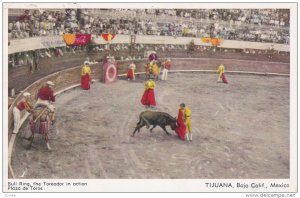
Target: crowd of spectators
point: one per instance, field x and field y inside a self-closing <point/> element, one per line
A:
<point x="260" y="25"/>
<point x="33" y="57"/>
<point x="272" y="17"/>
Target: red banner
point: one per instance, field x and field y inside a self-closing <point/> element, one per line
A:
<point x="108" y="37"/>
<point x="77" y="39"/>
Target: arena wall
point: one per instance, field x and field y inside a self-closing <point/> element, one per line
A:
<point x="20" y="78"/>
<point x="212" y="64"/>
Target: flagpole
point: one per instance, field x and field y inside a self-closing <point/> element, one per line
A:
<point x="109" y="50"/>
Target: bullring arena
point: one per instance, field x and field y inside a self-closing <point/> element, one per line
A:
<point x="240" y="129"/>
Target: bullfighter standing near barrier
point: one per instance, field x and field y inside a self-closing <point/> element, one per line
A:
<point x="45" y="95"/>
<point x="221" y="71"/>
<point x="153" y="68"/>
<point x="23" y="104"/>
<point x="187" y="121"/>
<point x="148" y="98"/>
<point x="130" y="72"/>
<point x="166" y="68"/>
<point x="85" y="76"/>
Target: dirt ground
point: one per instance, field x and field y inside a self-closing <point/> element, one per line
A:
<point x="240" y="130"/>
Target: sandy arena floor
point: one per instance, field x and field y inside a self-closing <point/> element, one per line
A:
<point x="240" y="130"/>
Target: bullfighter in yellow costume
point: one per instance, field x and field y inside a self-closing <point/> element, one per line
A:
<point x="85" y="76"/>
<point x="155" y="70"/>
<point x="148" y="98"/>
<point x="187" y="121"/>
<point x="221" y="71"/>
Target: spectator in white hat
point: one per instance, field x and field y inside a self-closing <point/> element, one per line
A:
<point x="24" y="104"/>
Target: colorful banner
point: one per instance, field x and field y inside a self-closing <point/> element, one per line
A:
<point x="205" y="39"/>
<point x="108" y="37"/>
<point x="216" y="41"/>
<point x="77" y="39"/>
<point x="213" y="41"/>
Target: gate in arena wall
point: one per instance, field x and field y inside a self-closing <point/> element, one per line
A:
<point x="109" y="73"/>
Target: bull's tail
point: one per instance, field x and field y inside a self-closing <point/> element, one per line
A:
<point x="138" y="125"/>
<point x="139" y="122"/>
<point x="147" y="123"/>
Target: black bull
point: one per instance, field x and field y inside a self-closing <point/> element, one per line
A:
<point x="161" y="119"/>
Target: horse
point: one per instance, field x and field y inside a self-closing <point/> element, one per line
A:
<point x="40" y="122"/>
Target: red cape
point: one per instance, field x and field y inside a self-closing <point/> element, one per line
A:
<point x="182" y="128"/>
<point x="85" y="82"/>
<point x="224" y="78"/>
<point x="148" y="98"/>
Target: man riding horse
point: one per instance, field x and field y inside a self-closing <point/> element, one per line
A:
<point x="45" y="97"/>
<point x="43" y="113"/>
